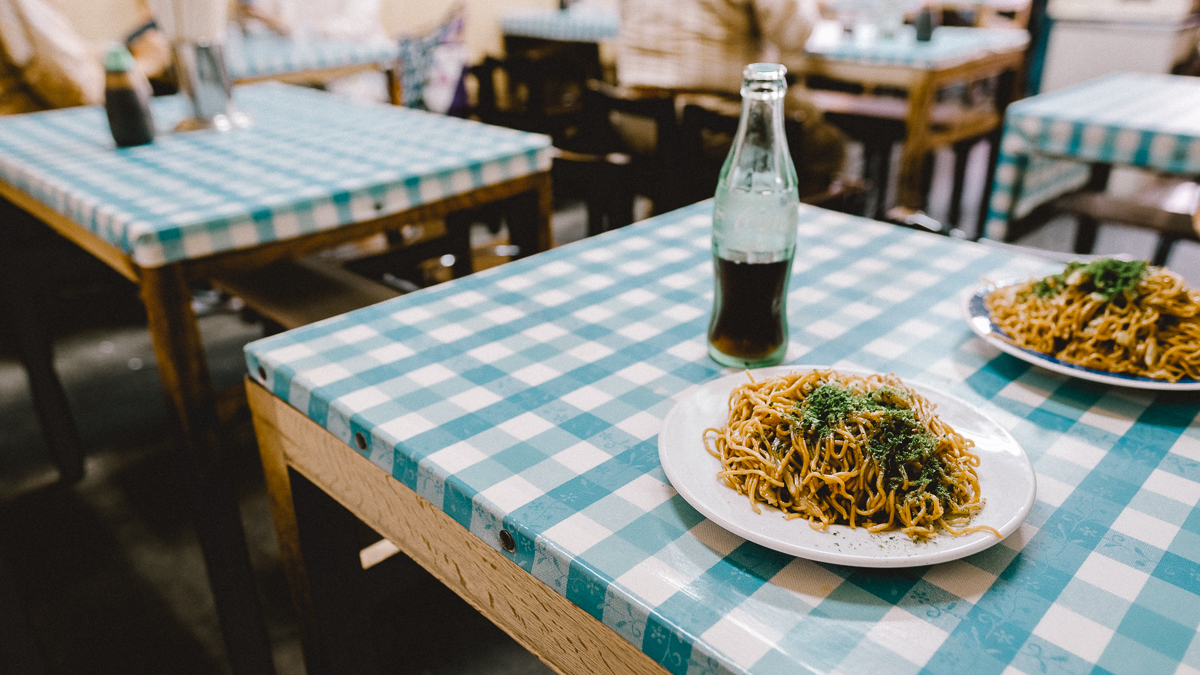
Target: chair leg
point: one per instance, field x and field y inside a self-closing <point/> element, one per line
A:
<point x="877" y="159"/>
<point x="1163" y="250"/>
<point x="1085" y="232"/>
<point x="521" y="213"/>
<point x="458" y="231"/>
<point x="962" y="152"/>
<point x="19" y="651"/>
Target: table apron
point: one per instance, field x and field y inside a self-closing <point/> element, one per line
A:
<point x="73" y="231"/>
<point x="259" y="256"/>
<point x="906" y="76"/>
<point x="316" y="75"/>
<point x="558" y="631"/>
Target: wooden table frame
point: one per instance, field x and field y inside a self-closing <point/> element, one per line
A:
<point x="183" y="369"/>
<point x="323" y="76"/>
<point x="926" y="130"/>
<point x="302" y="460"/>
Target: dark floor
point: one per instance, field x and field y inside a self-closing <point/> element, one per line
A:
<point x="110" y="569"/>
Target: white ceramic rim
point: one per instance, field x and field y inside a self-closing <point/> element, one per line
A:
<point x="1006" y="477"/>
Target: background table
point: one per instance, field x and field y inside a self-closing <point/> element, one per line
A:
<point x="1138" y="120"/>
<point x="528" y="400"/>
<point x="566" y="25"/>
<point x="314" y="171"/>
<point x="955" y="55"/>
<point x="259" y="56"/>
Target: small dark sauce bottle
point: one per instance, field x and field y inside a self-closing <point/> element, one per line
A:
<point x="925" y="24"/>
<point x="127" y="99"/>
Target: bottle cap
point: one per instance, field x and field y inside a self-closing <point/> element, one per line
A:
<point x="118" y="59"/>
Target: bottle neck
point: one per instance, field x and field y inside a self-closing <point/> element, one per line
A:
<point x="759" y="160"/>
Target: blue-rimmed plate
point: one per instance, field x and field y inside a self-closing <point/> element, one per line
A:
<point x="980" y="322"/>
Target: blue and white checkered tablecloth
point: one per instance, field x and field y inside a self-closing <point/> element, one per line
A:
<point x="568" y="25"/>
<point x="1140" y="120"/>
<point x="266" y="54"/>
<point x="530" y="397"/>
<point x="311" y="161"/>
<point x="950" y="46"/>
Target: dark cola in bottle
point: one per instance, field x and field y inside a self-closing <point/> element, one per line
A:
<point x="755" y="214"/>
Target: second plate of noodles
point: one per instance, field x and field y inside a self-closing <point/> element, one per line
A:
<point x="1115" y="322"/>
<point x="968" y="476"/>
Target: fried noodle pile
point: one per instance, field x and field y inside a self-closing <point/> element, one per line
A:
<point x="864" y="452"/>
<point x="1108" y="315"/>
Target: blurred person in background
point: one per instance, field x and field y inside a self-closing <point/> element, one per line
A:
<point x="43" y="62"/>
<point x="704" y="45"/>
<point x="357" y="20"/>
<point x="354" y="20"/>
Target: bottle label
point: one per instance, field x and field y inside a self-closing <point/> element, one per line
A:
<point x="754" y="227"/>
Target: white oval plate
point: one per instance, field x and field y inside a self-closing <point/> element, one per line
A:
<point x="980" y="322"/>
<point x="1005" y="476"/>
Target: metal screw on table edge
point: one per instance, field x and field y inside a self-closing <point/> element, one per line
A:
<point x="360" y="440"/>
<point x="262" y="373"/>
<point x="507" y="541"/>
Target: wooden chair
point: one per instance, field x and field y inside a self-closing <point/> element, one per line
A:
<point x="704" y="131"/>
<point x="1152" y="209"/>
<point x="877" y="117"/>
<point x="592" y="161"/>
<point x="993" y="13"/>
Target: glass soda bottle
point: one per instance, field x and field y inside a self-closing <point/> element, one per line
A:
<point x="755" y="215"/>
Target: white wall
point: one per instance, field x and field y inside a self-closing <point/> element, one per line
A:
<point x="101" y="21"/>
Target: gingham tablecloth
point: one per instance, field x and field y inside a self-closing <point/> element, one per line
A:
<point x="530" y="397"/>
<point x="568" y="25"/>
<point x="268" y="55"/>
<point x="1140" y="120"/>
<point x="950" y="46"/>
<point x="310" y="162"/>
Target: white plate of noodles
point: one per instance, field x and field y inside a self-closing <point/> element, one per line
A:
<point x="1004" y="482"/>
<point x="1179" y="347"/>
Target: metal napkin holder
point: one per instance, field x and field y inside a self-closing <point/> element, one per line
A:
<point x="200" y="66"/>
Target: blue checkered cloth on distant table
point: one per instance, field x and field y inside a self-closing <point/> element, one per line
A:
<point x="950" y="46"/>
<point x="1140" y="120"/>
<point x="568" y="25"/>
<point x="262" y="55"/>
<point x="530" y="397"/>
<point x="311" y="161"/>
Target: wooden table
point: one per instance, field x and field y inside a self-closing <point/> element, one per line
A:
<point x="955" y="55"/>
<point x="314" y="171"/>
<point x="502" y="430"/>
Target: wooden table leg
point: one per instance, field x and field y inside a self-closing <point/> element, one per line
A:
<point x="19" y="310"/>
<point x="529" y="217"/>
<point x="185" y="378"/>
<point x="395" y="88"/>
<point x="913" y="155"/>
<point x="1008" y="88"/>
<point x="323" y="587"/>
